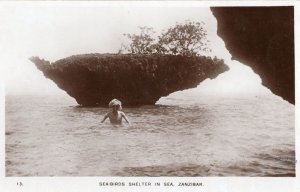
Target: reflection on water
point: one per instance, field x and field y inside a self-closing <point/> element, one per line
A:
<point x="50" y="136"/>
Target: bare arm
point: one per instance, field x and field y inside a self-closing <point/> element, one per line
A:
<point x="104" y="118"/>
<point x="125" y="117"/>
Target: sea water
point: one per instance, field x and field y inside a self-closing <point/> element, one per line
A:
<point x="197" y="136"/>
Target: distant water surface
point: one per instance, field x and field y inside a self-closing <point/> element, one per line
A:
<point x="212" y="136"/>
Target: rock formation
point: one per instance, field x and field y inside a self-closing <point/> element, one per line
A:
<point x="263" y="38"/>
<point x="95" y="79"/>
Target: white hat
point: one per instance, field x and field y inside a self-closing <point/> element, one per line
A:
<point x="115" y="102"/>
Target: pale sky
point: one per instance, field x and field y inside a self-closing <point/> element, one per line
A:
<point x="54" y="31"/>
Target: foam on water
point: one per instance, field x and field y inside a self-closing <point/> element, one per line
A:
<point x="50" y="136"/>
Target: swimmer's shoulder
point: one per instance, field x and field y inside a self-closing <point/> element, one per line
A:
<point x="108" y="114"/>
<point x="121" y="112"/>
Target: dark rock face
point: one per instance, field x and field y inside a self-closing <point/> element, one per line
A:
<point x="95" y="79"/>
<point x="263" y="38"/>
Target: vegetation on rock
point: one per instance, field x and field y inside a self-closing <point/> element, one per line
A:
<point x="185" y="39"/>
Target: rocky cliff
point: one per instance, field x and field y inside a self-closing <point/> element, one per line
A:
<point x="263" y="38"/>
<point x="95" y="79"/>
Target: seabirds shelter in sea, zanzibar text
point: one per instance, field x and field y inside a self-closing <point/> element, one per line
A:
<point x="148" y="184"/>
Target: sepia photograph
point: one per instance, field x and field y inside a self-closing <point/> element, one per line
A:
<point x="133" y="90"/>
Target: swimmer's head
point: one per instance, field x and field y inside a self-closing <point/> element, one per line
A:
<point x="115" y="104"/>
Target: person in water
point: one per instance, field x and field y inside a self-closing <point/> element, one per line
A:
<point x="115" y="115"/>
